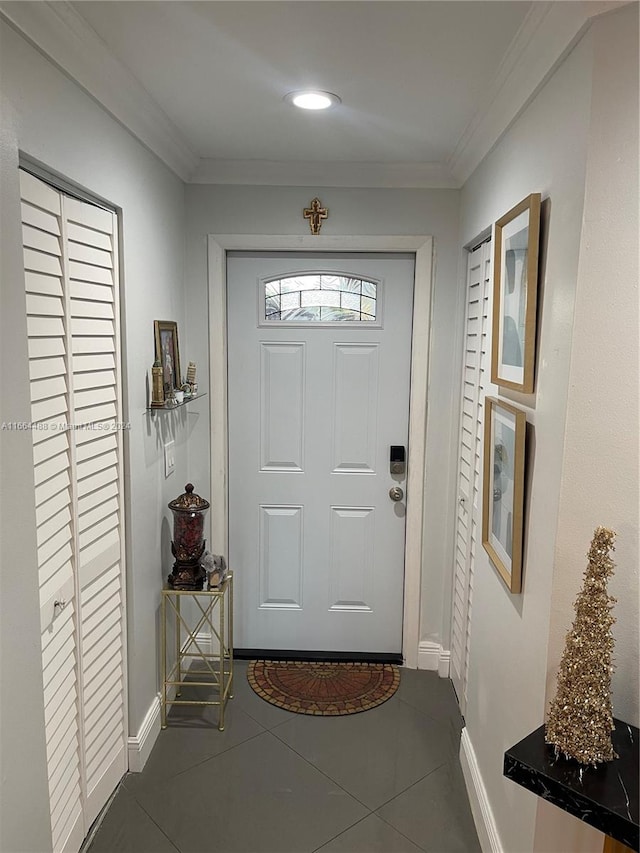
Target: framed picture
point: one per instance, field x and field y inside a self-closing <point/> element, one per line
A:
<point x="167" y="353"/>
<point x="515" y="290"/>
<point x="503" y="489"/>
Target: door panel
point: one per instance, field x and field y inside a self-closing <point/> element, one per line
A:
<point x="280" y="550"/>
<point x="282" y="406"/>
<point x="475" y="376"/>
<point x="73" y="338"/>
<point x="351" y="575"/>
<point x="355" y="379"/>
<point x="315" y="542"/>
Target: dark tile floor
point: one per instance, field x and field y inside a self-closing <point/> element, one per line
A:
<point x="384" y="781"/>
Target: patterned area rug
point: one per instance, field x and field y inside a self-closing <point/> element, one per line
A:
<point x="323" y="689"/>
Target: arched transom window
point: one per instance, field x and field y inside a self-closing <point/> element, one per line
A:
<point x="320" y="298"/>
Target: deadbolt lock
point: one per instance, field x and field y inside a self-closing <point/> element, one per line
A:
<point x="397" y="461"/>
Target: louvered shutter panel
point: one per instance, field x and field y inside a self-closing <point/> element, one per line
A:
<point x="475" y="375"/>
<point x="42" y="235"/>
<point x="93" y="311"/>
<point x="72" y="306"/>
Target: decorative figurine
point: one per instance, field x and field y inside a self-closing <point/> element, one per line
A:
<point x="191" y="379"/>
<point x="157" y="386"/>
<point x="188" y="545"/>
<point x="215" y="566"/>
<point x="580" y="719"/>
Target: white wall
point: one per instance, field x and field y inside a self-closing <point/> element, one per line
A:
<point x="544" y="151"/>
<point x="600" y="474"/>
<point x="278" y="210"/>
<point x="579" y="134"/>
<point x="600" y="469"/>
<point x="49" y="118"/>
<point x="23" y="777"/>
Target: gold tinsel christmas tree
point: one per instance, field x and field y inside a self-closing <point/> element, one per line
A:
<point x="580" y="719"/>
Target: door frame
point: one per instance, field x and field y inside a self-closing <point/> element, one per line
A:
<point x="217" y="247"/>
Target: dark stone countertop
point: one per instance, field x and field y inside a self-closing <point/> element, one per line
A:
<point x="605" y="797"/>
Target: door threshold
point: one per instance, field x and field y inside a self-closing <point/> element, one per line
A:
<point x="328" y="657"/>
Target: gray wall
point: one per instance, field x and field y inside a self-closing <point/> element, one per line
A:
<point x="600" y="466"/>
<point x="554" y="147"/>
<point x="22" y="745"/>
<point x="544" y="151"/>
<point x="49" y="118"/>
<point x="278" y="210"/>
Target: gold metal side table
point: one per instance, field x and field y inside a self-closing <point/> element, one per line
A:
<point x="211" y="613"/>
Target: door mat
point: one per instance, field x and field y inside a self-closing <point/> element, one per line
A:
<point x="323" y="689"/>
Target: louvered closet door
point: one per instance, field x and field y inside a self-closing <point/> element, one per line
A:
<point x="72" y="309"/>
<point x="95" y="412"/>
<point x="42" y="231"/>
<point x="475" y="376"/>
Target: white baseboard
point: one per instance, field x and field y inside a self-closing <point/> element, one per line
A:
<point x="140" y="745"/>
<point x="444" y="662"/>
<point x="204" y="643"/>
<point x="433" y="657"/>
<point x="478" y="799"/>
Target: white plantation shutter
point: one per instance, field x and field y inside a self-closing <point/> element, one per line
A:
<point x="475" y="376"/>
<point x="42" y="235"/>
<point x="71" y="277"/>
<point x="93" y="312"/>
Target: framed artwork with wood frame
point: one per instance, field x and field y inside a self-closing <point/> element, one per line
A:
<point x="167" y="352"/>
<point x="505" y="429"/>
<point x="515" y="292"/>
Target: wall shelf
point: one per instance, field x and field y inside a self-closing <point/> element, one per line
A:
<point x="606" y="796"/>
<point x="185" y="402"/>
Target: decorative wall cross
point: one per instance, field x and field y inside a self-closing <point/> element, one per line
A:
<point x="315" y="213"/>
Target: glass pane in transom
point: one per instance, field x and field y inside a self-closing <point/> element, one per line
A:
<point x="320" y="298"/>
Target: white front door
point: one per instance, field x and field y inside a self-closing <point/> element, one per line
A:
<point x="316" y="400"/>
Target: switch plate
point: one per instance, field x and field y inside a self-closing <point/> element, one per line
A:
<point x="169" y="458"/>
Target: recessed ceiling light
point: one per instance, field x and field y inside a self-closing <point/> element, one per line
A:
<point x="312" y="99"/>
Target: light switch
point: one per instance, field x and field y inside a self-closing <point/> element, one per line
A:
<point x="169" y="457"/>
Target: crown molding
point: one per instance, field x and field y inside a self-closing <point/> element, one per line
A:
<point x="595" y="8"/>
<point x="63" y="35"/>
<point x="329" y="174"/>
<point x="548" y="32"/>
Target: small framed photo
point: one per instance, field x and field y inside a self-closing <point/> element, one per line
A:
<point x="167" y="352"/>
<point x="515" y="291"/>
<point x="505" y="430"/>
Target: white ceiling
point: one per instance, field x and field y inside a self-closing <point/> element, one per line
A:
<point x="427" y="86"/>
<point x="409" y="73"/>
